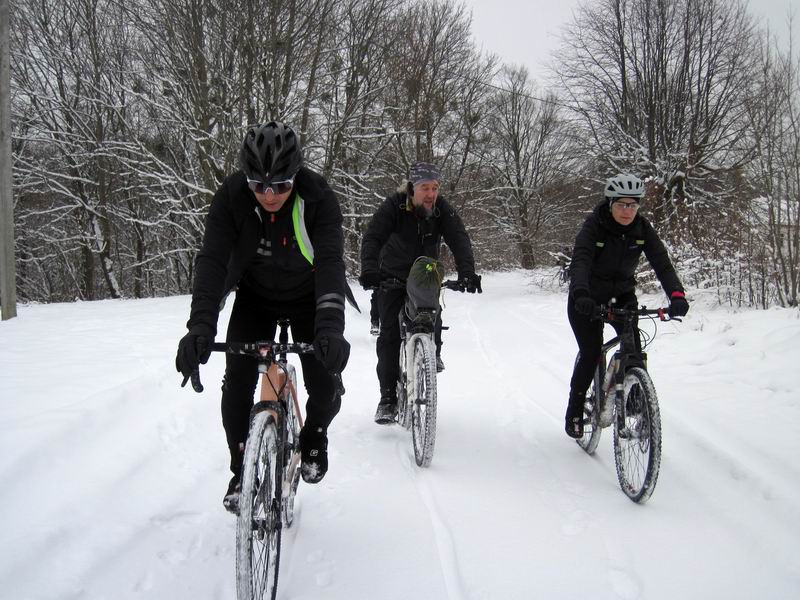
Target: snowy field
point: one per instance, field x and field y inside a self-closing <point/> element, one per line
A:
<point x="112" y="476"/>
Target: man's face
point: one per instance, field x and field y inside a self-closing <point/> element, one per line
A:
<point x="425" y="194"/>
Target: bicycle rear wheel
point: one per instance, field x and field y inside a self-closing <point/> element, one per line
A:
<point x="258" y="530"/>
<point x="637" y="436"/>
<point x="423" y="402"/>
<point x="591" y="411"/>
<point x="591" y="425"/>
<point x="403" y="410"/>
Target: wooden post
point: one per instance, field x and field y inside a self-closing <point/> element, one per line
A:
<point x="8" y="271"/>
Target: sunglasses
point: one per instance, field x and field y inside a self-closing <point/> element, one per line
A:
<point x="277" y="187"/>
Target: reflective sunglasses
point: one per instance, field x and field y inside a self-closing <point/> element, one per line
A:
<point x="629" y="205"/>
<point x="277" y="187"/>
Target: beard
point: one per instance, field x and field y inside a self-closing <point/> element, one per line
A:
<point x="421" y="212"/>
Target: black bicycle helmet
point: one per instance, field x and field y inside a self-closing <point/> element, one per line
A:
<point x="624" y="186"/>
<point x="270" y="152"/>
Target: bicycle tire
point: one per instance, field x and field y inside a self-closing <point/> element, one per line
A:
<point x="403" y="412"/>
<point x="591" y="410"/>
<point x="637" y="436"/>
<point x="258" y="529"/>
<point x="292" y="449"/>
<point x="423" y="403"/>
<point x="591" y="426"/>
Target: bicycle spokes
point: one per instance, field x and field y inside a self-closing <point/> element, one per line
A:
<point x="637" y="437"/>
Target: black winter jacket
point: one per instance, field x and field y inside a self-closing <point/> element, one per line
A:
<point x="396" y="236"/>
<point x="235" y="226"/>
<point x="606" y="255"/>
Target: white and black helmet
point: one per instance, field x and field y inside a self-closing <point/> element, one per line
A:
<point x="623" y="186"/>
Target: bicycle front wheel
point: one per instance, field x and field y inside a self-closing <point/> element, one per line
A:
<point x="637" y="436"/>
<point x="423" y="403"/>
<point x="258" y="530"/>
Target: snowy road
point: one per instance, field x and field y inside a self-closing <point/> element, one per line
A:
<point x="112" y="476"/>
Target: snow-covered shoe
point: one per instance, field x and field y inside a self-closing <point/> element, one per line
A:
<point x="231" y="499"/>
<point x="574" y="427"/>
<point x="375" y="328"/>
<point x="314" y="454"/>
<point x="386" y="414"/>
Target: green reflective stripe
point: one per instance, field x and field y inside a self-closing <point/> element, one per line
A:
<point x="640" y="242"/>
<point x="599" y="244"/>
<point x="300" y="233"/>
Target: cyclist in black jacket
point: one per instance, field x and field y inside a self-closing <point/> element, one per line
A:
<point x="274" y="235"/>
<point x="410" y="223"/>
<point x="604" y="260"/>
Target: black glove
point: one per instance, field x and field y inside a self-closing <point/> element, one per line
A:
<point x="332" y="350"/>
<point x="584" y="303"/>
<point x="678" y="306"/>
<point x="370" y="279"/>
<point x="471" y="283"/>
<point x="193" y="349"/>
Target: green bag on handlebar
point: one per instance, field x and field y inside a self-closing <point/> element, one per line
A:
<point x="424" y="282"/>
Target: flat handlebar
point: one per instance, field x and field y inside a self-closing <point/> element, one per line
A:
<point x="612" y="313"/>
<point x="394" y="283"/>
<point x="263" y="351"/>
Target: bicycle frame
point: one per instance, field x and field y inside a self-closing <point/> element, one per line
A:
<point x="277" y="396"/>
<point x="613" y="373"/>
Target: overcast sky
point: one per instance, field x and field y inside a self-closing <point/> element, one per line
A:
<point x="524" y="32"/>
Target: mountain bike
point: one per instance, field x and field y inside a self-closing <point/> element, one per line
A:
<point x="271" y="467"/>
<point x="416" y="384"/>
<point x="631" y="406"/>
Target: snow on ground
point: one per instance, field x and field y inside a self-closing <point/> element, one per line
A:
<point x="112" y="476"/>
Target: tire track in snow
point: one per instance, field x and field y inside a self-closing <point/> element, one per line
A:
<point x="446" y="548"/>
<point x="522" y="397"/>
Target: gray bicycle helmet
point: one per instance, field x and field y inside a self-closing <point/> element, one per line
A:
<point x="623" y="186"/>
<point x="270" y="152"/>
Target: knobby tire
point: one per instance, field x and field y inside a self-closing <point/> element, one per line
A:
<point x="258" y="529"/>
<point x="423" y="402"/>
<point x="637" y="437"/>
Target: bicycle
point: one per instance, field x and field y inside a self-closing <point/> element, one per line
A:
<point x="271" y="466"/>
<point x="416" y="384"/>
<point x="632" y="406"/>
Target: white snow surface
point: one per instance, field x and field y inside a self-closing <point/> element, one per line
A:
<point x="112" y="476"/>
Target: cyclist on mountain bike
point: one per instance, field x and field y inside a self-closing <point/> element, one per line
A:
<point x="410" y="223"/>
<point x="604" y="260"/>
<point x="274" y="234"/>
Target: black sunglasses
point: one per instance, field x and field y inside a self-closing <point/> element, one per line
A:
<point x="277" y="187"/>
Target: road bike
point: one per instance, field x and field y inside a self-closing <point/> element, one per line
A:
<point x="271" y="467"/>
<point x="416" y="384"/>
<point x="623" y="394"/>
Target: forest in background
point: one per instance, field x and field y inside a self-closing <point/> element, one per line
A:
<point x="126" y="116"/>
